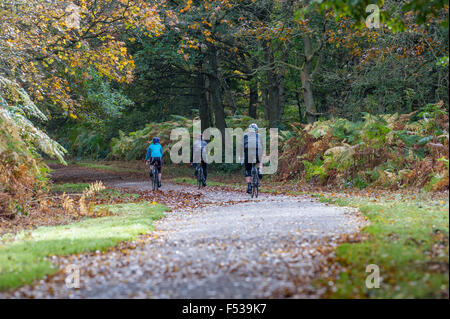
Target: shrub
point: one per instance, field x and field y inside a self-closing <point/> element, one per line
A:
<point x="388" y="150"/>
<point x="21" y="170"/>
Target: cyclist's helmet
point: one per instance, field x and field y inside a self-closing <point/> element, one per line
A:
<point x="156" y="139"/>
<point x="253" y="126"/>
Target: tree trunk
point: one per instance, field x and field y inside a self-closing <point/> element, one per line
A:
<point x="202" y="103"/>
<point x="253" y="86"/>
<point x="305" y="75"/>
<point x="281" y="88"/>
<point x="264" y="99"/>
<point x="272" y="101"/>
<point x="299" y="104"/>
<point x="253" y="101"/>
<point x="216" y="94"/>
<point x="275" y="88"/>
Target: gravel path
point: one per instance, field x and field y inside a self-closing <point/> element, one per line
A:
<point x="232" y="247"/>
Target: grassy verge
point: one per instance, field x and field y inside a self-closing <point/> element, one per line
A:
<point x="78" y="188"/>
<point x="135" y="167"/>
<point x="408" y="239"/>
<point x="68" y="187"/>
<point x="23" y="257"/>
<point x="109" y="167"/>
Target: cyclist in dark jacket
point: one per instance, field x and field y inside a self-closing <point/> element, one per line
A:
<point x="199" y="156"/>
<point x="253" y="149"/>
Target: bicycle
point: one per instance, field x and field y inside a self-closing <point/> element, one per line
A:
<point x="154" y="176"/>
<point x="255" y="181"/>
<point x="200" y="177"/>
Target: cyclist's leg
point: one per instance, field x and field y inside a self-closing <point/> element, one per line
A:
<point x="259" y="166"/>
<point x="159" y="167"/>
<point x="248" y="176"/>
<point x="205" y="171"/>
<point x="152" y="159"/>
<point x="247" y="167"/>
<point x="156" y="161"/>
<point x="195" y="165"/>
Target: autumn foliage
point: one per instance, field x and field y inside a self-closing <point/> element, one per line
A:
<point x="390" y="151"/>
<point x="102" y="77"/>
<point x="46" y="44"/>
<point x="46" y="47"/>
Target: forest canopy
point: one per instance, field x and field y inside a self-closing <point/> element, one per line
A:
<point x="96" y="78"/>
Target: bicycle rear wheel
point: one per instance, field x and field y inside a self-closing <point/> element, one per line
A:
<point x="155" y="180"/>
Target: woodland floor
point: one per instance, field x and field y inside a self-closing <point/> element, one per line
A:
<point x="214" y="243"/>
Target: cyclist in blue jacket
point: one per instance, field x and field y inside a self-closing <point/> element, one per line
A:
<point x="154" y="156"/>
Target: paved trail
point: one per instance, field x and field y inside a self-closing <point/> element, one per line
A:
<point x="232" y="247"/>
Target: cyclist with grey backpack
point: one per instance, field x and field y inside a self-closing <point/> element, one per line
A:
<point x="199" y="157"/>
<point x="253" y="149"/>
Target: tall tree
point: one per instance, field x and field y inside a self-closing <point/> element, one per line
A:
<point x="45" y="43"/>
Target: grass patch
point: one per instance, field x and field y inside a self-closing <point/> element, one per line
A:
<point x="78" y="188"/>
<point x="23" y="257"/>
<point x="109" y="167"/>
<point x="407" y="239"/>
<point x="68" y="188"/>
<point x="114" y="194"/>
